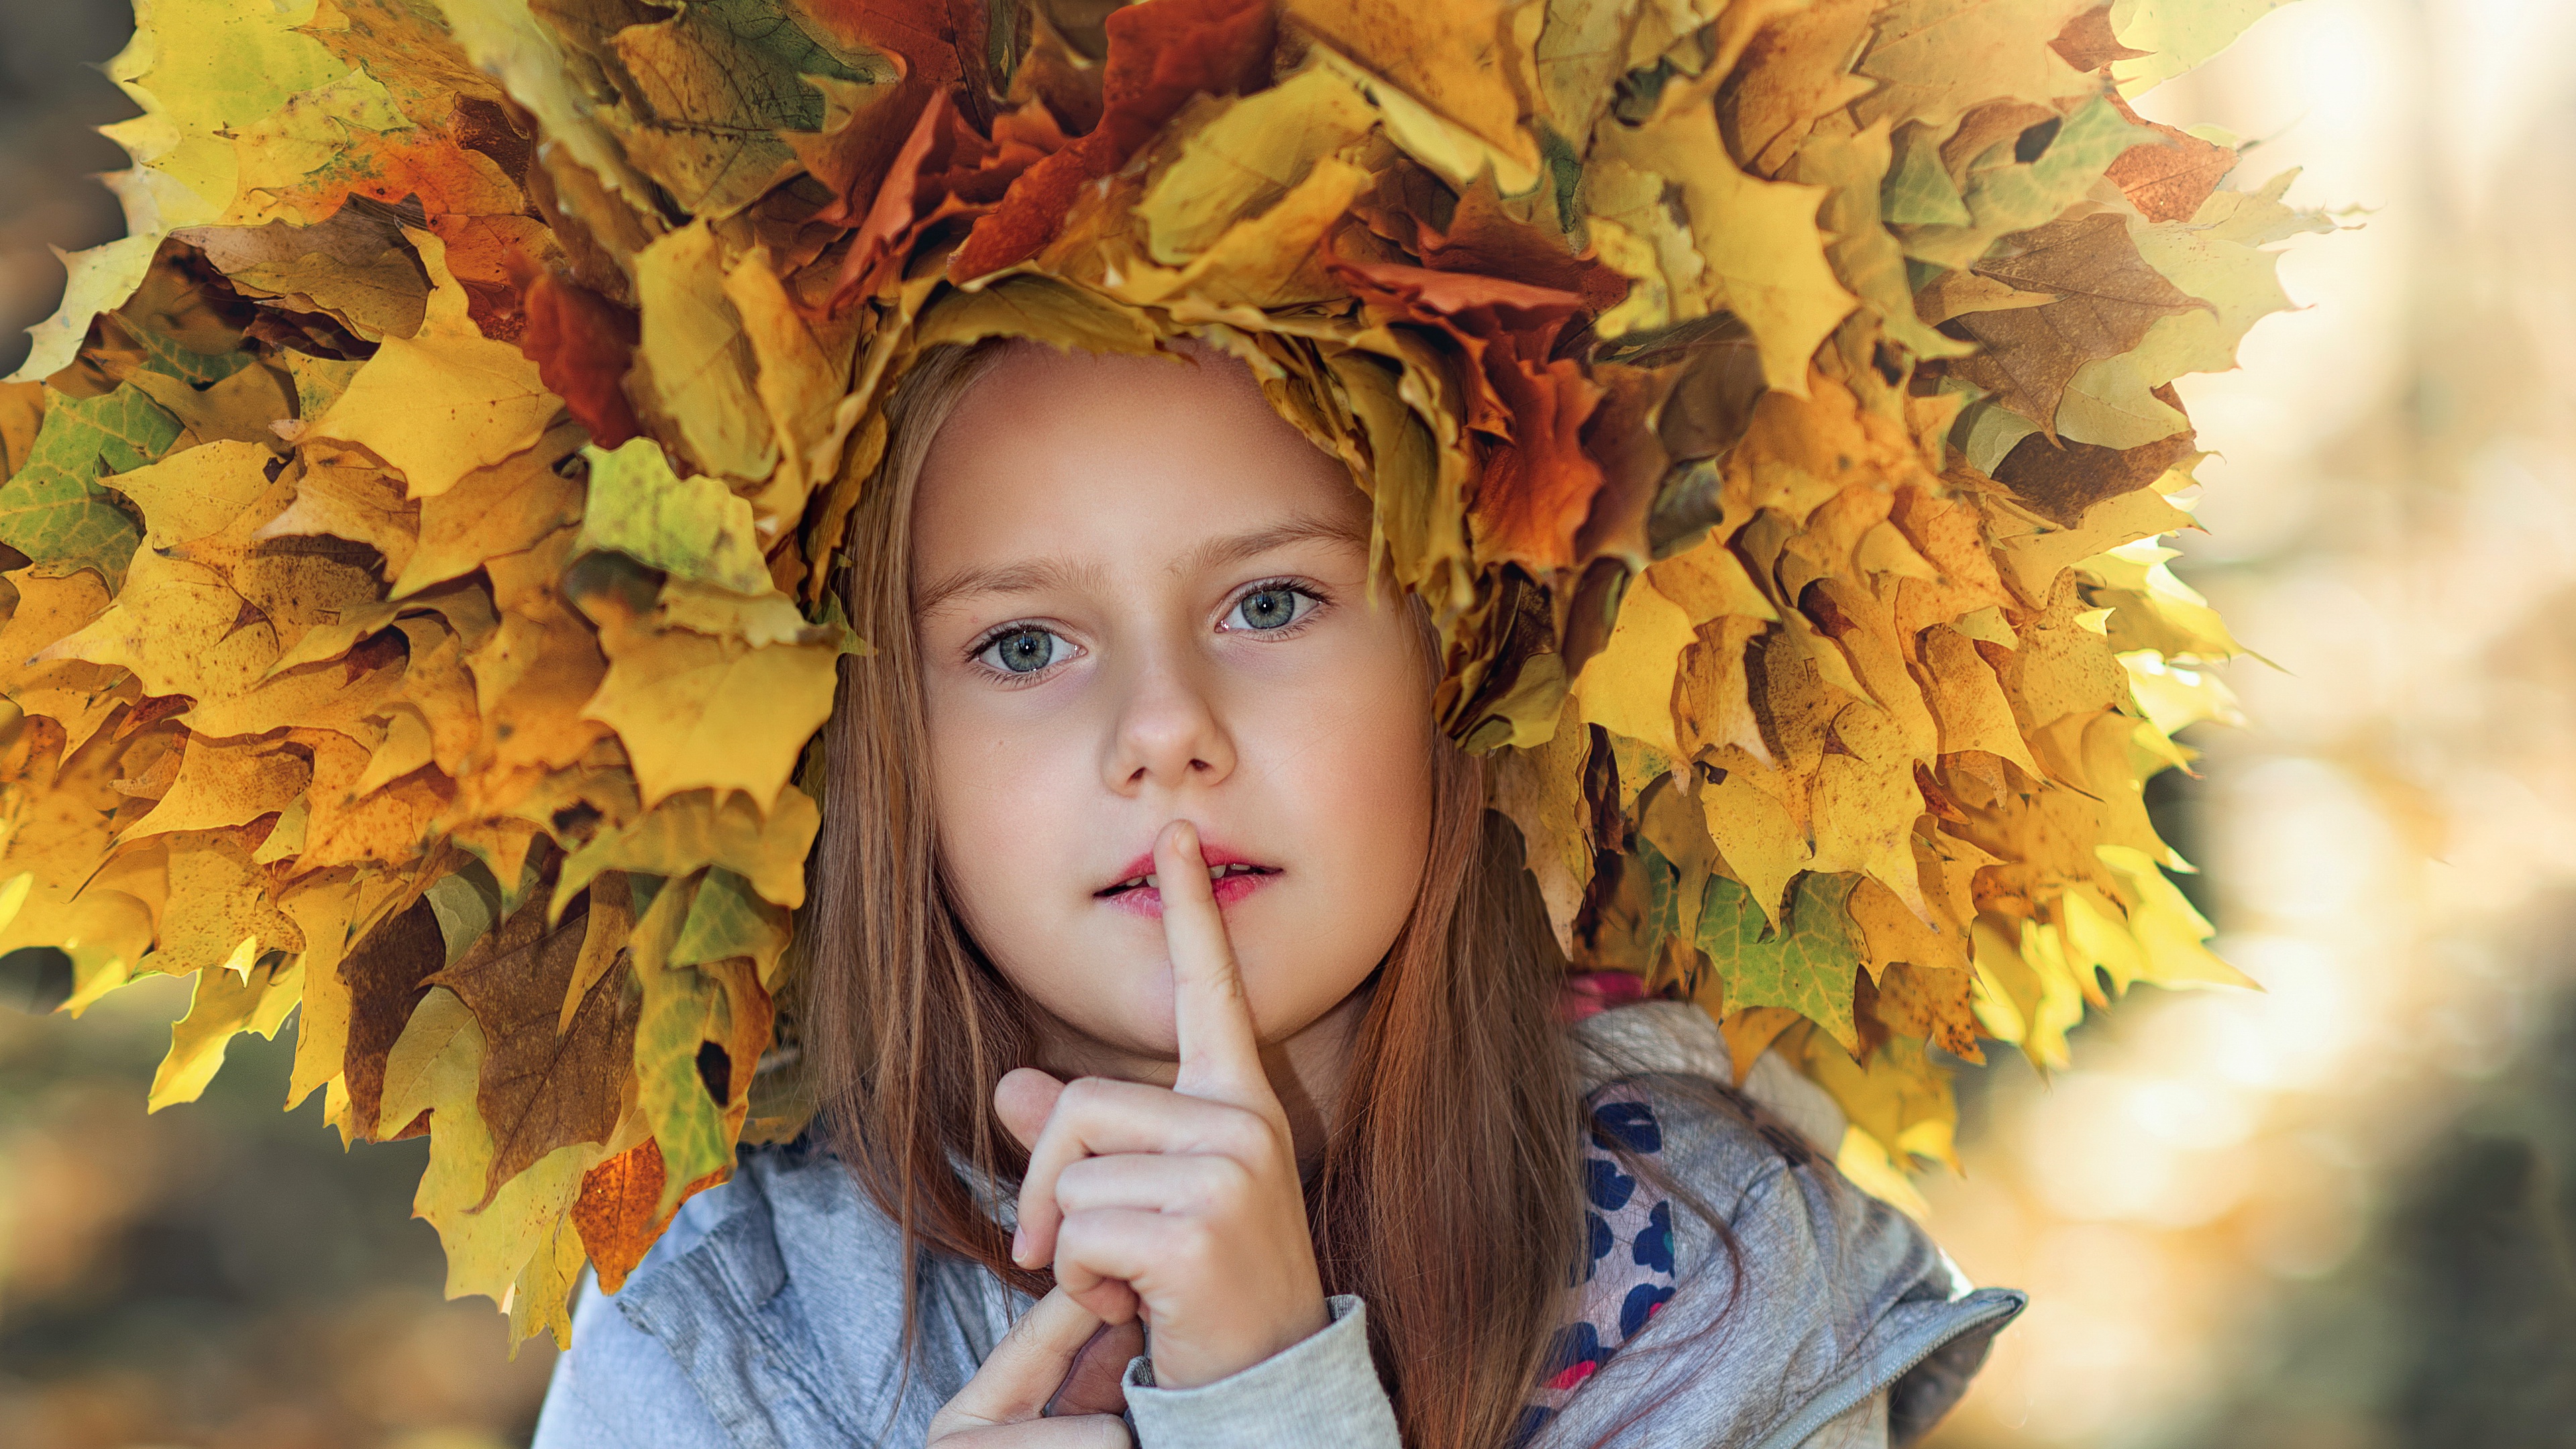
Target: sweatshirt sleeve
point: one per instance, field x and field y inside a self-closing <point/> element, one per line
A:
<point x="1322" y="1393"/>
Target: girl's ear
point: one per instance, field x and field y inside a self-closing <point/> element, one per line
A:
<point x="1024" y="1099"/>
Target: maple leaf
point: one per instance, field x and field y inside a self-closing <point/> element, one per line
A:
<point x="727" y="919"/>
<point x="196" y="492"/>
<point x="1795" y="73"/>
<point x="1161" y="52"/>
<point x="555" y="1057"/>
<point x="583" y="346"/>
<point x="1864" y="253"/>
<point x="697" y="712"/>
<point x="1460" y="59"/>
<point x="620" y="1212"/>
<point x="2172" y="38"/>
<point x="1765" y="259"/>
<point x="224" y="1004"/>
<point x="2169" y="182"/>
<point x="1807" y="965"/>
<point x="351" y="267"/>
<point x="225" y="783"/>
<point x="2220" y="256"/>
<point x="53" y="508"/>
<point x="1245" y="155"/>
<point x="506" y="508"/>
<point x="445" y="402"/>
<point x="1626" y="688"/>
<point x="2107" y="298"/>
<point x="692" y="528"/>
<point x="697" y="358"/>
<point x="716" y="84"/>
<point x="688" y="831"/>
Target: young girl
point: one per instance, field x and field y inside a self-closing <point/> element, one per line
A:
<point x="1192" y="1047"/>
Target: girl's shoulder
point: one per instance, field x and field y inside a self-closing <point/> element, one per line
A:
<point x="1722" y="1235"/>
<point x="771" y="1314"/>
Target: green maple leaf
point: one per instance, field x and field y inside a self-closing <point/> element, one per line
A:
<point x="693" y="527"/>
<point x="1806" y="966"/>
<point x="53" y="509"/>
<point x="163" y="354"/>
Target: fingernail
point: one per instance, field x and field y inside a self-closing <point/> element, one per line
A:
<point x="1186" y="840"/>
<point x="1019" y="1244"/>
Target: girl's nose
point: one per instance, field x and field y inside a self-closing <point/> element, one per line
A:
<point x="1167" y="733"/>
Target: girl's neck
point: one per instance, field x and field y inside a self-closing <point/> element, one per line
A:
<point x="1306" y="1070"/>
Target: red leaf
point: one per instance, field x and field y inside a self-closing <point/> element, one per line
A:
<point x="944" y="169"/>
<point x="1482" y="237"/>
<point x="1536" y="484"/>
<point x="583" y="345"/>
<point x="618" y="1213"/>
<point x="2168" y="181"/>
<point x="1161" y="52"/>
<point x="2088" y="44"/>
<point x="940" y="42"/>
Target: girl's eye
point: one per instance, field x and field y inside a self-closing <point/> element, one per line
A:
<point x="1023" y="651"/>
<point x="1274" y="607"/>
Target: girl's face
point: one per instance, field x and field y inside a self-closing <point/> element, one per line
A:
<point x="1141" y="597"/>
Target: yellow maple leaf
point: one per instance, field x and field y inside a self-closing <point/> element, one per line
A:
<point x="696" y="711"/>
<point x="440" y="404"/>
<point x="1764" y="258"/>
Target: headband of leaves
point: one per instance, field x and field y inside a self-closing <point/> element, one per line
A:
<point x="422" y="520"/>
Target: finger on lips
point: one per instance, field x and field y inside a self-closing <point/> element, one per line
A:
<point x="1220" y="1053"/>
<point x="1221" y="1103"/>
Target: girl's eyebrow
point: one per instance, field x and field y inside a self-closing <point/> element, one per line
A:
<point x="1304" y="528"/>
<point x="1031" y="576"/>
<point x="1027" y="577"/>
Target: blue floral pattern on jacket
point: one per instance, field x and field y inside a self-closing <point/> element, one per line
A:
<point x="1627" y="1271"/>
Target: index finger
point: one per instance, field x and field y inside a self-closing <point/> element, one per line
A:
<point x="1025" y="1368"/>
<point x="1220" y="1051"/>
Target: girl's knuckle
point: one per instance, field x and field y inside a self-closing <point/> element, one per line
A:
<point x="1196" y="1244"/>
<point x="1248" y="1137"/>
<point x="1227" y="1185"/>
<point x="1081" y="1095"/>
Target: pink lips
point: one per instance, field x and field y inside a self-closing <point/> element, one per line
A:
<point x="1147" y="901"/>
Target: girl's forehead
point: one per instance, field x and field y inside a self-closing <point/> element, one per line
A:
<point x="1070" y="450"/>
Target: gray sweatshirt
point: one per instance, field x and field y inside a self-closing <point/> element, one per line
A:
<point x="770" y="1316"/>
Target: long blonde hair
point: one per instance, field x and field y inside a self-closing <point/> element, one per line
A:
<point x="1448" y="1199"/>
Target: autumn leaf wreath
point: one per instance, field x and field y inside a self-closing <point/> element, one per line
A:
<point x="1770" y="399"/>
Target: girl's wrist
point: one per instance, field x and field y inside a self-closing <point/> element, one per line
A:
<point x="1187" y="1369"/>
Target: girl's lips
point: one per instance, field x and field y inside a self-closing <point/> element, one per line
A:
<point x="1147" y="901"/>
<point x="1242" y="876"/>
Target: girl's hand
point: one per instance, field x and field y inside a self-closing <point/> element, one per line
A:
<point x="1182" y="1205"/>
<point x="1033" y="1366"/>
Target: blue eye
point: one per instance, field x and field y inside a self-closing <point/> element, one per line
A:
<point x="1274" y="607"/>
<point x="1023" y="651"/>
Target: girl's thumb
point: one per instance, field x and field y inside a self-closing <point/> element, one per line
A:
<point x="1024" y="1099"/>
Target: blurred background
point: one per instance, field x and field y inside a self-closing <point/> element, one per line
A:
<point x="2340" y="1214"/>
